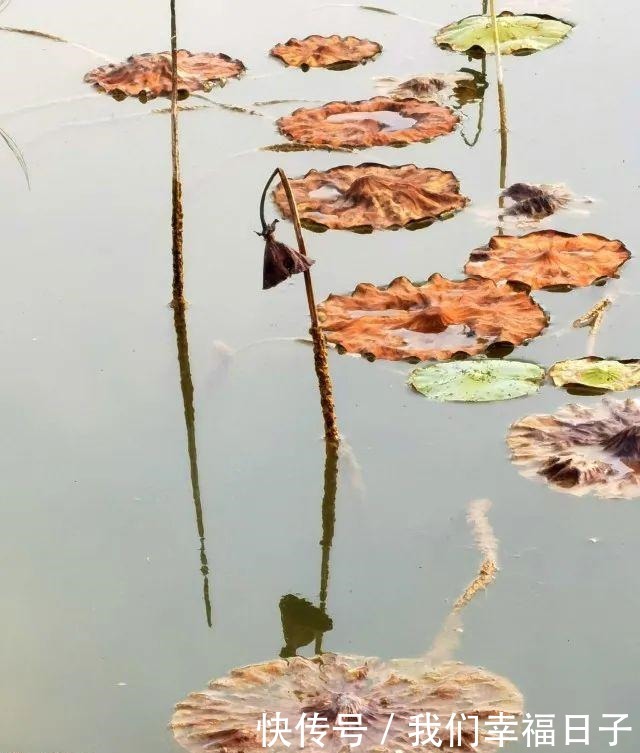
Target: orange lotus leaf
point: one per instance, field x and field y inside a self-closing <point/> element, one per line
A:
<point x="315" y="51"/>
<point x="148" y="75"/>
<point x="224" y="717"/>
<point x="369" y="196"/>
<point x="380" y="121"/>
<point x="549" y="259"/>
<point x="439" y="319"/>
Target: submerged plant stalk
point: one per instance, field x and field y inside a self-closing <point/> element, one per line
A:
<point x="177" y="216"/>
<point x="447" y="639"/>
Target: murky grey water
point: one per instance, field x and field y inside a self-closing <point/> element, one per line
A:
<point x="104" y="624"/>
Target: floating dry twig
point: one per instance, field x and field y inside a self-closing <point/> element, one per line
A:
<point x="17" y="153"/>
<point x="54" y="38"/>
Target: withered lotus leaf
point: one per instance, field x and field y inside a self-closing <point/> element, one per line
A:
<point x="535" y="202"/>
<point x="596" y="374"/>
<point x="438" y="320"/>
<point x="335" y="52"/>
<point x="370" y="196"/>
<point x="465" y="86"/>
<point x="225" y="716"/>
<point x="582" y="449"/>
<point x="380" y="121"/>
<point x="549" y="259"/>
<point x="148" y="75"/>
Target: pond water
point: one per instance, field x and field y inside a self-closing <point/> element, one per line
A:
<point x="104" y="623"/>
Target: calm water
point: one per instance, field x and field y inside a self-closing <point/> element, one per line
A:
<point x="104" y="625"/>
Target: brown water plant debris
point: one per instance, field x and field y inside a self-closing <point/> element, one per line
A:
<point x="225" y="716"/>
<point x="535" y="202"/>
<point x="582" y="449"/>
<point x="370" y="196"/>
<point x="334" y="52"/>
<point x="148" y="75"/>
<point x="440" y="319"/>
<point x="593" y="317"/>
<point x="380" y="121"/>
<point x="463" y="86"/>
<point x="549" y="259"/>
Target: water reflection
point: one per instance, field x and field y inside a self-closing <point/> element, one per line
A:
<point x="302" y="621"/>
<point x="479" y="89"/>
<point x="186" y="387"/>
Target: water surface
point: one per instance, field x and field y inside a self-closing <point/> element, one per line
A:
<point x="104" y="623"/>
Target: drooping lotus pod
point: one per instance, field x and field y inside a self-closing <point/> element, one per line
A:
<point x="224" y="717"/>
<point x="148" y="75"/>
<point x="549" y="259"/>
<point x="438" y="320"/>
<point x="518" y="34"/>
<point x="582" y="449"/>
<point x="477" y="380"/>
<point x="596" y="375"/>
<point x="380" y="121"/>
<point x="373" y="197"/>
<point x="334" y="52"/>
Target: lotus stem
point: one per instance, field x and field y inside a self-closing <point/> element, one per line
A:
<point x="502" y="106"/>
<point x="186" y="387"/>
<point x="319" y="343"/>
<point x="328" y="526"/>
<point x="177" y="216"/>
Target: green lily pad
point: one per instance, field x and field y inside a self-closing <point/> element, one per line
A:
<point x="598" y="374"/>
<point x="519" y="34"/>
<point x="477" y="381"/>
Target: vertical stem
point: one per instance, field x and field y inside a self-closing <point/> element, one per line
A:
<point x="186" y="386"/>
<point x="328" y="526"/>
<point x="501" y="98"/>
<point x="177" y="216"/>
<point x="319" y="344"/>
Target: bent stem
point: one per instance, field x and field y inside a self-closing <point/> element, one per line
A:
<point x="186" y="387"/>
<point x="177" y="215"/>
<point x="319" y="343"/>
